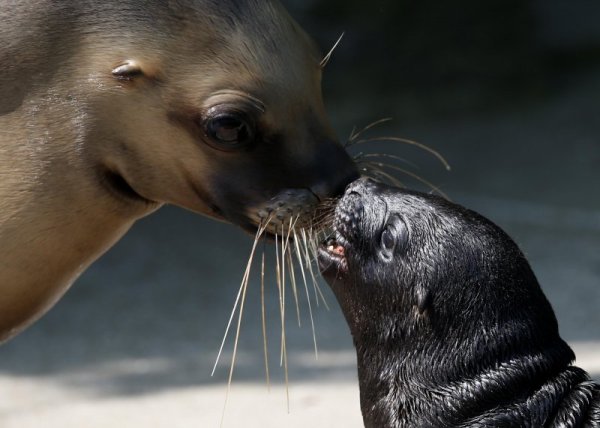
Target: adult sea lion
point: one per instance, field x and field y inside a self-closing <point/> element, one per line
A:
<point x="110" y="109"/>
<point x="450" y="325"/>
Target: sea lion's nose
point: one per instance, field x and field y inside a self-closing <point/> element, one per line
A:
<point x="336" y="171"/>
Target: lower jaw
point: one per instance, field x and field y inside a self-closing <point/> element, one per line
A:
<point x="329" y="265"/>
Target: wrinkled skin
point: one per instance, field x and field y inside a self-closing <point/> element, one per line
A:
<point x="450" y="325"/>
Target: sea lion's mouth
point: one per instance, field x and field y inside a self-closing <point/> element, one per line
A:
<point x="335" y="249"/>
<point x="332" y="256"/>
<point x="291" y="209"/>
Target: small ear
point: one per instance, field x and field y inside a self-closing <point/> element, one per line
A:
<point x="423" y="300"/>
<point x="128" y="70"/>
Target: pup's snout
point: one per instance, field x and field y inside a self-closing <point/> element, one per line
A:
<point x="361" y="186"/>
<point x="348" y="215"/>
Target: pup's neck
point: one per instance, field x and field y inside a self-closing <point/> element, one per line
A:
<point x="402" y="386"/>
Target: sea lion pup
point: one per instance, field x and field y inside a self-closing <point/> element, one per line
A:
<point x="109" y="109"/>
<point x="450" y="325"/>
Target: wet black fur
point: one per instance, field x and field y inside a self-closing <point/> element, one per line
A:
<point x="453" y="329"/>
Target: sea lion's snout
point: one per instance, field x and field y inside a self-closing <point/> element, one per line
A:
<point x="215" y="107"/>
<point x="301" y="186"/>
<point x="289" y="208"/>
<point x="361" y="186"/>
<point x="333" y="251"/>
<point x="349" y="212"/>
<point x="334" y="170"/>
<point x="348" y="216"/>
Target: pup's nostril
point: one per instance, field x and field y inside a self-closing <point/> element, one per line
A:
<point x="360" y="186"/>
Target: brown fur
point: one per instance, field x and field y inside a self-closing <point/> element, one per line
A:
<point x="84" y="154"/>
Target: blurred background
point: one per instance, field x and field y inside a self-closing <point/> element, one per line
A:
<point x="507" y="90"/>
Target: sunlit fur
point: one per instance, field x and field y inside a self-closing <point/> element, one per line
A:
<point x="85" y="153"/>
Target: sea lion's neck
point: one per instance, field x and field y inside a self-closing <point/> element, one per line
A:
<point x="54" y="222"/>
<point x="402" y="386"/>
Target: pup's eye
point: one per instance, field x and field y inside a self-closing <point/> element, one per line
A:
<point x="228" y="130"/>
<point x="388" y="238"/>
<point x="394" y="237"/>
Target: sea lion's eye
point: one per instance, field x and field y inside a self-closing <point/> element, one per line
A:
<point x="393" y="237"/>
<point x="229" y="131"/>
<point x="388" y="240"/>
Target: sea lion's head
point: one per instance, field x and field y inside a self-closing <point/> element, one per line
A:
<point x="214" y="106"/>
<point x="421" y="274"/>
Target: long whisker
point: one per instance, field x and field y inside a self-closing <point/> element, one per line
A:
<point x="306" y="258"/>
<point x="327" y="57"/>
<point x="354" y="134"/>
<point x="284" y="250"/>
<point x="290" y="261"/>
<point x="281" y="288"/>
<point x="359" y="157"/>
<point x="264" y="318"/>
<point x="291" y="267"/>
<point x="308" y="261"/>
<point x="235" y="347"/>
<point x="259" y="233"/>
<point x="281" y="297"/>
<point x="312" y="322"/>
<point x="318" y="221"/>
<point x="310" y="269"/>
<point x="235" y="305"/>
<point x="378" y="173"/>
<point x="428" y="149"/>
<point x="245" y="281"/>
<point x="415" y="176"/>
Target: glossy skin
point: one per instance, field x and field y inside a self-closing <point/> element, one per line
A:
<point x="108" y="110"/>
<point x="450" y="325"/>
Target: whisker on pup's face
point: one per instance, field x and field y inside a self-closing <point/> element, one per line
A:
<point x="449" y="322"/>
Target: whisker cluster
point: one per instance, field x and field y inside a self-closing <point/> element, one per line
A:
<point x="384" y="166"/>
<point x="296" y="243"/>
<point x="296" y="240"/>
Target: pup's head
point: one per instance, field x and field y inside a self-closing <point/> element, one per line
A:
<point x="415" y="270"/>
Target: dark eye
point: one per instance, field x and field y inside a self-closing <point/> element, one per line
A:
<point x="229" y="131"/>
<point x="388" y="239"/>
<point x="394" y="237"/>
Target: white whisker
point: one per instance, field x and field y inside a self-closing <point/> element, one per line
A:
<point x="354" y="134"/>
<point x="311" y="271"/>
<point x="264" y="319"/>
<point x="244" y="287"/>
<point x="312" y="322"/>
<point x="291" y="268"/>
<point x="327" y="57"/>
<point x="413" y="175"/>
<point x="281" y="288"/>
<point x="259" y="233"/>
<point x="428" y="149"/>
<point x="377" y="173"/>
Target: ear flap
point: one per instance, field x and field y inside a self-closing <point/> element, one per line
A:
<point x="128" y="70"/>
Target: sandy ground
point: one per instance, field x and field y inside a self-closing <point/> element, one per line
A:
<point x="134" y="341"/>
<point x="35" y="402"/>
